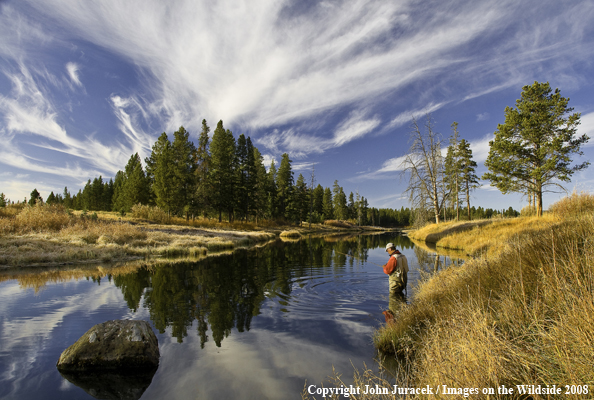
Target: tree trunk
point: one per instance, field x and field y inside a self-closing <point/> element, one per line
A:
<point x="468" y="199"/>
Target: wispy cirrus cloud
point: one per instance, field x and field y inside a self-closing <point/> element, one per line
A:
<point x="72" y="69"/>
<point x="268" y="63"/>
<point x="31" y="119"/>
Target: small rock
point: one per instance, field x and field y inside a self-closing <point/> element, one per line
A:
<point x="113" y="345"/>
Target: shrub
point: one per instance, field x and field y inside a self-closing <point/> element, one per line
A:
<point x="573" y="205"/>
<point x="155" y="214"/>
<point x="42" y="218"/>
<point x="290" y="234"/>
<point x="528" y="211"/>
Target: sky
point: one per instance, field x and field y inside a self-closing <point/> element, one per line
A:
<point x="86" y="84"/>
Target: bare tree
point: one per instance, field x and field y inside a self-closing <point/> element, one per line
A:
<point x="424" y="165"/>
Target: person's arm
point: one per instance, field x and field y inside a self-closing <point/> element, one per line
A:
<point x="390" y="266"/>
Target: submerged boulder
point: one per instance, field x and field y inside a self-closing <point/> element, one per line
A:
<point x="113" y="345"/>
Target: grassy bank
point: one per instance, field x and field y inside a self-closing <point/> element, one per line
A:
<point x="523" y="314"/>
<point x="50" y="235"/>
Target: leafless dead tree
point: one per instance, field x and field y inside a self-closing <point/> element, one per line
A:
<point x="424" y="165"/>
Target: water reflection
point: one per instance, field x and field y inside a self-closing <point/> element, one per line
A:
<point x="308" y="306"/>
<point x="110" y="385"/>
<point x="226" y="292"/>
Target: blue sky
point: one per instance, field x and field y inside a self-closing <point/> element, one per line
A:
<point x="86" y="84"/>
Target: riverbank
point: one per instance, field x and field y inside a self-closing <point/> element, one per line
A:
<point x="51" y="236"/>
<point x="520" y="312"/>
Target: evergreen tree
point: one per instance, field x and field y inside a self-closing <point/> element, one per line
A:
<point x="67" y="198"/>
<point x="261" y="184"/>
<point x="327" y="204"/>
<point x="243" y="195"/>
<point x="131" y="186"/>
<point x="531" y="150"/>
<point x="3" y="200"/>
<point x="340" y="204"/>
<point x="300" y="199"/>
<point x="84" y="200"/>
<point x="318" y="200"/>
<point x="183" y="185"/>
<point x="452" y="167"/>
<point x="273" y="210"/>
<point x="284" y="183"/>
<point x="161" y="174"/>
<point x="108" y="192"/>
<point x="51" y="199"/>
<point x="351" y="212"/>
<point x="222" y="171"/>
<point x="119" y="198"/>
<point x="468" y="177"/>
<point x="35" y="196"/>
<point x="203" y="187"/>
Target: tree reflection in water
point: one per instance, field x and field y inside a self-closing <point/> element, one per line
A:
<point x="226" y="292"/>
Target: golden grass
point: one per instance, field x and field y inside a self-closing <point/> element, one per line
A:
<point x="575" y="204"/>
<point x="50" y="235"/>
<point x="292" y="234"/>
<point x="481" y="237"/>
<point x="339" y="224"/>
<point x="522" y="315"/>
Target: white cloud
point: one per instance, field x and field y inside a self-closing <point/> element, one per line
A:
<point x="72" y="69"/>
<point x="586" y="127"/>
<point x="480" y="148"/>
<point x="28" y="113"/>
<point x="483" y="116"/>
<point x="261" y="65"/>
<point x="356" y="126"/>
<point x="406" y="117"/>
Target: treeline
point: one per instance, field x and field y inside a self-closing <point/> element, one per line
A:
<point x="226" y="178"/>
<point x="223" y="178"/>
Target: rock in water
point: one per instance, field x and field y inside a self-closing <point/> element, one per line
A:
<point x="113" y="345"/>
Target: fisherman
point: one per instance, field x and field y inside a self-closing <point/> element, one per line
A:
<point x="397" y="269"/>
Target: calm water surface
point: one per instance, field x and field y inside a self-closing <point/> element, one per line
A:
<point x="255" y="324"/>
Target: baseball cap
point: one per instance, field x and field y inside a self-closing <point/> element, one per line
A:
<point x="389" y="246"/>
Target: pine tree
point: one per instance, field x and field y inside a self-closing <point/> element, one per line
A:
<point x="222" y="171"/>
<point x="327" y="204"/>
<point x="160" y="172"/>
<point x="531" y="150"/>
<point x="3" y="200"/>
<point x="183" y="185"/>
<point x="243" y="195"/>
<point x="318" y="200"/>
<point x="284" y="183"/>
<point x="340" y="204"/>
<point x="468" y="177"/>
<point x="351" y="213"/>
<point x="67" y="198"/>
<point x="203" y="187"/>
<point x="300" y="199"/>
<point x="51" y="199"/>
<point x="452" y="170"/>
<point x="272" y="192"/>
<point x="260" y="183"/>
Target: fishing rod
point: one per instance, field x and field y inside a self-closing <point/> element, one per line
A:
<point x="358" y="258"/>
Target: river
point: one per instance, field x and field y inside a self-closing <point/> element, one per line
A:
<point x="253" y="324"/>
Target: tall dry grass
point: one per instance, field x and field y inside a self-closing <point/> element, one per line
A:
<point x="481" y="237"/>
<point x="522" y="316"/>
<point x="49" y="235"/>
<point x="574" y="205"/>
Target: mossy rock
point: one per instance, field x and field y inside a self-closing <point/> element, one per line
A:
<point x="113" y="345"/>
